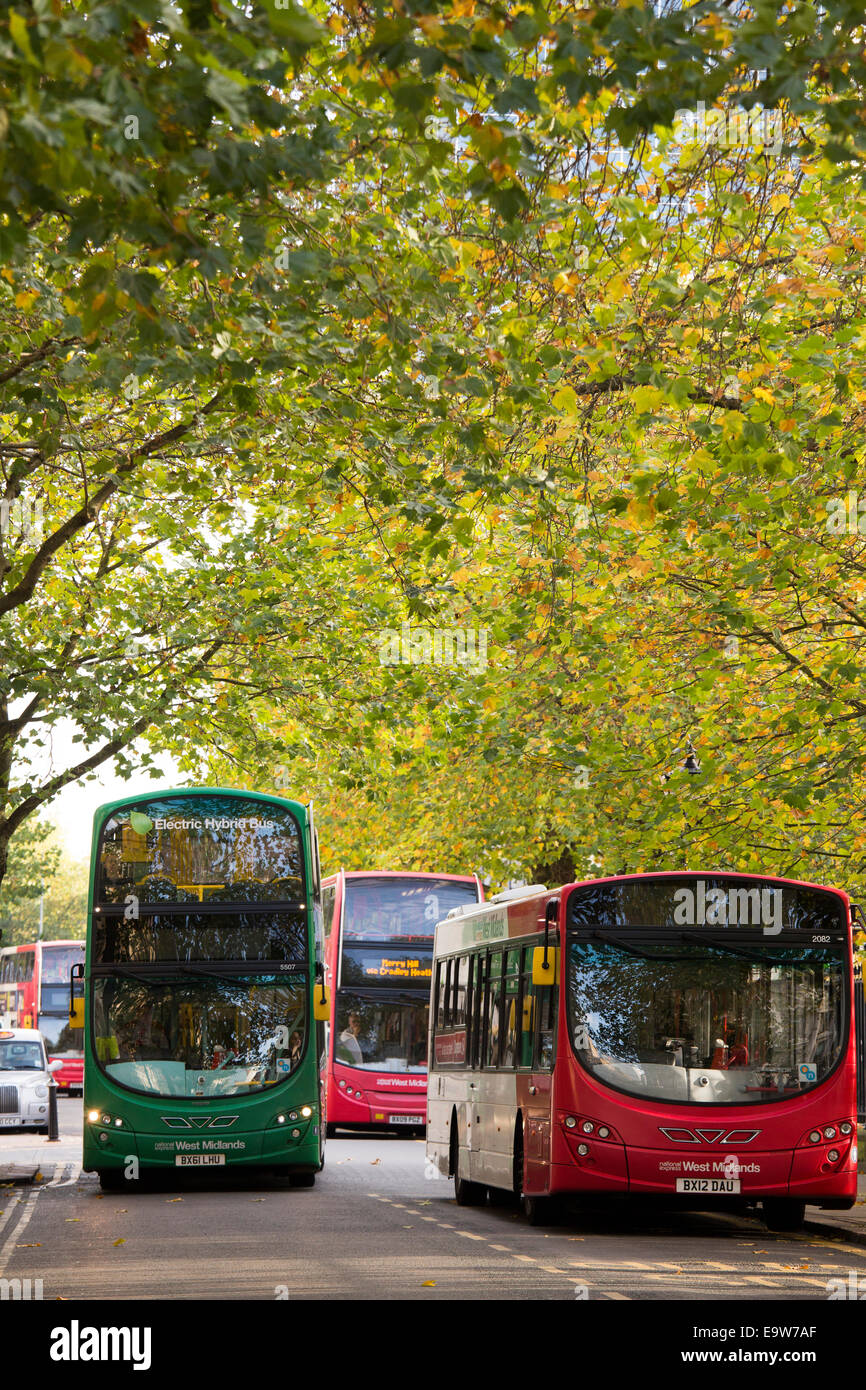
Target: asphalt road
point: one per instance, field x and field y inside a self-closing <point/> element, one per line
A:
<point x="377" y="1227"/>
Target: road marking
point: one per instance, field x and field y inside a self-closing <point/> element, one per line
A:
<point x="527" y="1258"/>
<point x="506" y="1250"/>
<point x="74" y="1174"/>
<point x="468" y="1235"/>
<point x="756" y="1279"/>
<point x="20" y="1228"/>
<point x="623" y="1297"/>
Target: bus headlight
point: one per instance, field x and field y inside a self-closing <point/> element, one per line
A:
<point x="306" y="1111"/>
<point x="93" y="1116"/>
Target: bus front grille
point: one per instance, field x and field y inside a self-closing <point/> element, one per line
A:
<point x="8" y="1100"/>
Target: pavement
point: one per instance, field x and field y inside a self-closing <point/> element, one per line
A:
<point x="24" y="1155"/>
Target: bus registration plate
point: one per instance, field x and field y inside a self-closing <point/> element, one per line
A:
<point x="10" y="1120"/>
<point x="708" y="1184"/>
<point x="198" y="1160"/>
<point x="406" y="1119"/>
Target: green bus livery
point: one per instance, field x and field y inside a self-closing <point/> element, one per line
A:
<point x="204" y="995"/>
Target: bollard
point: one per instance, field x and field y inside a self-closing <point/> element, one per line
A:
<point x="53" y="1128"/>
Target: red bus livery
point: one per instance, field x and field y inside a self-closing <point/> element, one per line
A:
<point x="34" y="993"/>
<point x="378" y="951"/>
<point x="681" y="1034"/>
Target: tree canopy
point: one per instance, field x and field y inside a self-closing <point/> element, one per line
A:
<point x="536" y="321"/>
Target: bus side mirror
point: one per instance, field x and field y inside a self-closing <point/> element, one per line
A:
<point x="321" y="1002"/>
<point x="545" y="965"/>
<point x="76" y="997"/>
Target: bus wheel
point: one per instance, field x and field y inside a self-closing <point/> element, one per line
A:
<point x="539" y="1211"/>
<point x="468" y="1194"/>
<point x="783" y="1213"/>
<point x="111" y="1179"/>
<point x="302" y="1179"/>
<point x="330" y="1131"/>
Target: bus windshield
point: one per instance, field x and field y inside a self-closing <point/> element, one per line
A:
<point x="386" y="1032"/>
<point x="57" y="962"/>
<point x="207" y="849"/>
<point x="183" y="1034"/>
<point x="379" y="909"/>
<point x="706" y="1022"/>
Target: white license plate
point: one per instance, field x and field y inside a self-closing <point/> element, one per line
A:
<point x="708" y="1184"/>
<point x="9" y="1120"/>
<point x="407" y="1119"/>
<point x="199" y="1160"/>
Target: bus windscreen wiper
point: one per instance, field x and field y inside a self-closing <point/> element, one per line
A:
<point x="634" y="950"/>
<point x="731" y="950"/>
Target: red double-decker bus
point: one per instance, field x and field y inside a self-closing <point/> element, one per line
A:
<point x="34" y="993"/>
<point x="378" y="946"/>
<point x="683" y="1035"/>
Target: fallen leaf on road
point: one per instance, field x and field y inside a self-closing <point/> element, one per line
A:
<point x="429" y="1284"/>
<point x="174" y="1199"/>
<point x="33" y="1245"/>
<point x="374" y="1161"/>
<point x="121" y="1241"/>
<point x="259" y="1199"/>
<point x="120" y="1209"/>
<point x="73" y="1218"/>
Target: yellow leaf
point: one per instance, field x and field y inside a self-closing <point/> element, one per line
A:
<point x="120" y="1241"/>
<point x="429" y="1284"/>
<point x="25" y="299"/>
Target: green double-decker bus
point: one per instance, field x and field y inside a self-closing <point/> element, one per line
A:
<point x="204" y="997"/>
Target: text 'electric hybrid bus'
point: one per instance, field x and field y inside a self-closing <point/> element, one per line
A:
<point x="203" y="986"/>
<point x="678" y="1034"/>
<point x="379" y="945"/>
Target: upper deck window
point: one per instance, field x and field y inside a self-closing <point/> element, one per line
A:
<point x="200" y="849"/>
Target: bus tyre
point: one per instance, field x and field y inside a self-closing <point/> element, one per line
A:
<point x="468" y="1194"/>
<point x="330" y="1131"/>
<point x="783" y="1213"/>
<point x="110" y="1179"/>
<point x="539" y="1211"/>
<point x="302" y="1179"/>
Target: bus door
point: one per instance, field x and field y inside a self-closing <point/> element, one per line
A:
<point x="538" y="1043"/>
